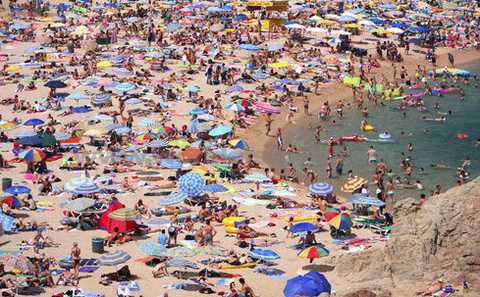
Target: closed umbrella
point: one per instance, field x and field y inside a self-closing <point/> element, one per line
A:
<point x="320" y="189"/>
<point x="353" y="184"/>
<point x="191" y="184"/>
<point x="113" y="258"/>
<point x="124" y="214"/>
<point x="263" y="254"/>
<point x="173" y="198"/>
<point x="78" y="205"/>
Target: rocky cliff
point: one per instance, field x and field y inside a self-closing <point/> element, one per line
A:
<point x="441" y="239"/>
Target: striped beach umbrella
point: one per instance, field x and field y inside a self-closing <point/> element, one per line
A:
<point x="191" y="184"/>
<point x="88" y="187"/>
<point x="113" y="258"/>
<point x="339" y="220"/>
<point x="125" y="87"/>
<point x="263" y="254"/>
<point x="124" y="214"/>
<point x="101" y="99"/>
<point x="320" y="189"/>
<point x="173" y="198"/>
<point x="158" y="143"/>
<point x="353" y="184"/>
<point x="32" y="155"/>
<point x="313" y="252"/>
<point x="365" y="200"/>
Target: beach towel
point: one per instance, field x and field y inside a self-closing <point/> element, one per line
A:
<point x="88" y="269"/>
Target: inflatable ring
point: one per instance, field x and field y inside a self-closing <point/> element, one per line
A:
<point x="384" y="135"/>
<point x="462" y="136"/>
<point x="230" y="221"/>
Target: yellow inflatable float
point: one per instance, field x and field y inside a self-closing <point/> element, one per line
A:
<point x="230" y="221"/>
<point x="246" y="265"/>
<point x="368" y="128"/>
<point x="231" y="230"/>
<point x="302" y="218"/>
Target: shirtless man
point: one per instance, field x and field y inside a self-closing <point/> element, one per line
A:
<point x="208" y="233"/>
<point x="76" y="260"/>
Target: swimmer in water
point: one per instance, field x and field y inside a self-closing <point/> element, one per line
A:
<point x="439" y="166"/>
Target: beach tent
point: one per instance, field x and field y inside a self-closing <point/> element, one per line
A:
<point x="104" y="221"/>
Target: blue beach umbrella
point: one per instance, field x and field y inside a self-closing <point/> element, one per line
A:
<point x="80" y="109"/>
<point x="173" y="198"/>
<point x="152" y="249"/>
<point x="103" y="117"/>
<point x="302" y="227"/>
<point x="234" y="107"/>
<point x="418" y="29"/>
<point x="133" y="101"/>
<point x="249" y="47"/>
<point x="215" y="188"/>
<point x="122" y="130"/>
<point x="16" y="190"/>
<point x="257" y="178"/>
<point x="55" y="84"/>
<point x="263" y="254"/>
<point x="191" y="184"/>
<point x="193" y="89"/>
<point x="77" y="96"/>
<point x="311" y="284"/>
<point x="7" y="222"/>
<point x="198" y="111"/>
<point x="365" y="200"/>
<point x="220" y="130"/>
<point x="33" y="122"/>
<point x="113" y="258"/>
<point x="320" y="189"/>
<point x="171" y="163"/>
<point x="227" y="153"/>
<point x="134" y="147"/>
<point x="125" y="87"/>
<point x="62" y="135"/>
<point x="101" y="99"/>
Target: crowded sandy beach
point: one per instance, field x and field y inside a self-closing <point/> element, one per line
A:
<point x="143" y="152"/>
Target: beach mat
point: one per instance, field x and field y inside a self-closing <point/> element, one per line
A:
<point x="88" y="269"/>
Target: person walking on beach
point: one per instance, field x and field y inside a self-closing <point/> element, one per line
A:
<point x="451" y="59"/>
<point x="306" y="104"/>
<point x="75" y="254"/>
<point x="279" y="139"/>
<point x="268" y="124"/>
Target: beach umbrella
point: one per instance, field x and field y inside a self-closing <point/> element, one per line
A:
<point x="77" y="96"/>
<point x="418" y="29"/>
<point x="32" y="155"/>
<point x="101" y="99"/>
<point x="320" y="189"/>
<point x="173" y="198"/>
<point x="23" y="134"/>
<point x="133" y="101"/>
<point x="215" y="188"/>
<point x="313" y="252"/>
<point x="158" y="143"/>
<point x="239" y="144"/>
<point x="227" y="153"/>
<point x="294" y="26"/>
<point x="191" y="154"/>
<point x="249" y="47"/>
<point x="125" y="87"/>
<point x="124" y="214"/>
<point x="55" y="84"/>
<point x="80" y="109"/>
<point x="148" y="122"/>
<point x="198" y="111"/>
<point x="122" y="130"/>
<point x="339" y="220"/>
<point x="275" y="46"/>
<point x="302" y="227"/>
<point x="365" y="200"/>
<point x="181" y="251"/>
<point x="173" y="27"/>
<point x="191" y="184"/>
<point x="78" y="205"/>
<point x="104" y="64"/>
<point x="311" y="284"/>
<point x="17" y="262"/>
<point x="171" y="163"/>
<point x="88" y="187"/>
<point x="33" y="122"/>
<point x="62" y="135"/>
<point x="113" y="258"/>
<point x="263" y="254"/>
<point x="180" y="143"/>
<point x="182" y="263"/>
<point x="17" y="190"/>
<point x="234" y="107"/>
<point x="220" y="130"/>
<point x="257" y="178"/>
<point x="353" y="184"/>
<point x="396" y="30"/>
<point x="102" y="117"/>
<point x="234" y="89"/>
<point x="152" y="249"/>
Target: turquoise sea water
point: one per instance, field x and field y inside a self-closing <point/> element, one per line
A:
<point x="438" y="145"/>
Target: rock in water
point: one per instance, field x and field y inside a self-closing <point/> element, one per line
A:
<point x="440" y="239"/>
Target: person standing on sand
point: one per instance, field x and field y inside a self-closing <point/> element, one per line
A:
<point x="279" y="139"/>
<point x="328" y="169"/>
<point x="75" y="254"/>
<point x="268" y="124"/>
<point x="306" y="104"/>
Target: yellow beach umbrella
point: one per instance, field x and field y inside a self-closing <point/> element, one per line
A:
<point x="351" y="26"/>
<point x="104" y="64"/>
<point x="380" y="31"/>
<point x="201" y="169"/>
<point x="326" y="22"/>
<point x="13" y="68"/>
<point x="7" y="125"/>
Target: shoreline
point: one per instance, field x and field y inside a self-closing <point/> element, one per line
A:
<point x="263" y="145"/>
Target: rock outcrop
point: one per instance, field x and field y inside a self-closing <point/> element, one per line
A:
<point x="441" y="239"/>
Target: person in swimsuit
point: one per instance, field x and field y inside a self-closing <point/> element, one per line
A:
<point x="76" y="260"/>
